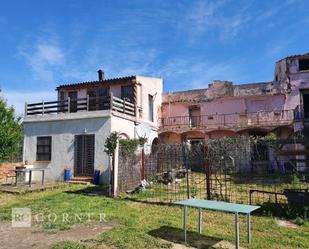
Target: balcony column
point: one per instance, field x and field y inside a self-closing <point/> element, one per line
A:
<point x="111" y="101"/>
<point x="26" y="109"/>
<point x="69" y="104"/>
<point x="87" y="107"/>
<point x="43" y="109"/>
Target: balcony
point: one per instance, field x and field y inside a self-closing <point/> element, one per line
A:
<point x="234" y="121"/>
<point x="87" y="104"/>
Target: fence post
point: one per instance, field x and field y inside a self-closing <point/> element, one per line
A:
<point x="143" y="164"/>
<point x="115" y="171"/>
<point x="184" y="156"/>
<point x="207" y="168"/>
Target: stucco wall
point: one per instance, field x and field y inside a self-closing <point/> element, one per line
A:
<point x="154" y="87"/>
<point x="63" y="132"/>
<point x="227" y="105"/>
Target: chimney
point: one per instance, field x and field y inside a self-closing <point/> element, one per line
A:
<point x="101" y="75"/>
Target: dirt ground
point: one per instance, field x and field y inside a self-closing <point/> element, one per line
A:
<point x="22" y="238"/>
<point x="25" y="238"/>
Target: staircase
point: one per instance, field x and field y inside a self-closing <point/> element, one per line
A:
<point x="296" y="155"/>
<point x="86" y="180"/>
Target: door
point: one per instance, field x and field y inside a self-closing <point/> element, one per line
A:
<point x="194" y="116"/>
<point x="92" y="100"/>
<point x="84" y="155"/>
<point x="306" y="104"/>
<point x="73" y="101"/>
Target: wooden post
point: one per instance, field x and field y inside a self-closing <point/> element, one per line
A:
<point x="87" y="102"/>
<point x="111" y="101"/>
<point x="42" y="107"/>
<point x="26" y="109"/>
<point x="124" y="105"/>
<point x="69" y="104"/>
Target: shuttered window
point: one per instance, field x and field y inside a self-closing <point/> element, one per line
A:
<point x="43" y="151"/>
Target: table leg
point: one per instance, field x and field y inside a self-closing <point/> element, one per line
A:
<point x="237" y="230"/>
<point x="249" y="227"/>
<point x="200" y="217"/>
<point x="43" y="176"/>
<point x="30" y="178"/>
<point x="185" y="223"/>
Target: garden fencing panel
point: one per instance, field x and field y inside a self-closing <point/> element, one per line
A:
<point x="129" y="169"/>
<point x="241" y="170"/>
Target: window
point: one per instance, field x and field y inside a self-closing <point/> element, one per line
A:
<point x="127" y="93"/>
<point x="303" y="64"/>
<point x="98" y="99"/>
<point x="150" y="107"/>
<point x="43" y="150"/>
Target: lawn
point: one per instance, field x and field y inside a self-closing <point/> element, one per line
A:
<point x="141" y="225"/>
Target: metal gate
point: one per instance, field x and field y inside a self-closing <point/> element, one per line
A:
<point x="84" y="155"/>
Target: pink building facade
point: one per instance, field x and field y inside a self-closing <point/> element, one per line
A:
<point x="225" y="109"/>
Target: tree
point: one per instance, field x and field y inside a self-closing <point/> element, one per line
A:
<point x="11" y="131"/>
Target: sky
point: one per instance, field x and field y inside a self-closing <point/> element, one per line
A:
<point x="187" y="43"/>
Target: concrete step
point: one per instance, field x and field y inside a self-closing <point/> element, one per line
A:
<point x="81" y="180"/>
<point x="78" y="182"/>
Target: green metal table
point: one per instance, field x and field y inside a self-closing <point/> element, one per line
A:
<point x="218" y="206"/>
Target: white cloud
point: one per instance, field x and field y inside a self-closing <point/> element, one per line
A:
<point x="199" y="74"/>
<point x="19" y="98"/>
<point x="213" y="18"/>
<point x="43" y="58"/>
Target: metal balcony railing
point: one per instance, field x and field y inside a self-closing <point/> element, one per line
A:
<point x="81" y="104"/>
<point x="233" y="119"/>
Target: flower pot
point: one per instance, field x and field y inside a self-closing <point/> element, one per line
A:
<point x="67" y="175"/>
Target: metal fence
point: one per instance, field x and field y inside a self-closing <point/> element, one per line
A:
<point x="233" y="170"/>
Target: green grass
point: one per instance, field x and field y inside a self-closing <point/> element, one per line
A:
<point x="144" y="226"/>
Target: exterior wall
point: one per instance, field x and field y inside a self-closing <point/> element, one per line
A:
<point x="170" y="138"/>
<point x="63" y="133"/>
<point x="227" y="105"/>
<point x="154" y="87"/>
<point x="124" y="126"/>
<point x="128" y="127"/>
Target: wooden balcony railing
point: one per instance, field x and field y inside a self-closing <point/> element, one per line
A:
<point x="234" y="119"/>
<point x="81" y="104"/>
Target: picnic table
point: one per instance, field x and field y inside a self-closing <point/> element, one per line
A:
<point x="30" y="170"/>
<point x="218" y="206"/>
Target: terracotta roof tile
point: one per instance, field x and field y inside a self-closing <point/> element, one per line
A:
<point x="90" y="83"/>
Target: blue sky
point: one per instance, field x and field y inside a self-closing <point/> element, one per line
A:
<point x="188" y="43"/>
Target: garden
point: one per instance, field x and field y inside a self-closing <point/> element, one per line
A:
<point x="131" y="224"/>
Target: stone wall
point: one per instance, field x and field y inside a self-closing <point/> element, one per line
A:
<point x="5" y="169"/>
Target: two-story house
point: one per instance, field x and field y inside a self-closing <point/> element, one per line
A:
<point x="71" y="131"/>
